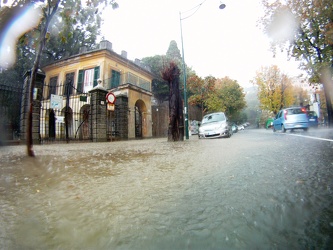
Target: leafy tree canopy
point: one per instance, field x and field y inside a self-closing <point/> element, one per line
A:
<point x="199" y="89"/>
<point x="75" y="24"/>
<point x="158" y="63"/>
<point x="213" y="94"/>
<point x="275" y="89"/>
<point x="228" y="97"/>
<point x="173" y="53"/>
<point x="305" y="30"/>
<point x="159" y="86"/>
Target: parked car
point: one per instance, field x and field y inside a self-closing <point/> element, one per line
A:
<point x="313" y="119"/>
<point x="194" y="127"/>
<point x="215" y="125"/>
<point x="234" y="128"/>
<point x="240" y="127"/>
<point x="290" y="119"/>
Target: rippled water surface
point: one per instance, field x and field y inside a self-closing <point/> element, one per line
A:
<point x="152" y="194"/>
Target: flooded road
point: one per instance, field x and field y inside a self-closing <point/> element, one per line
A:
<point x="256" y="190"/>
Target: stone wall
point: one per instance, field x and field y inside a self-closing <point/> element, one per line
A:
<point x="98" y="114"/>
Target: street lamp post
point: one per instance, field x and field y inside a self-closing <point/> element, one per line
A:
<point x="222" y="6"/>
<point x="184" y="75"/>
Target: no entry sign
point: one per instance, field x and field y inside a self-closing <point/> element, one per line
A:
<point x="111" y="98"/>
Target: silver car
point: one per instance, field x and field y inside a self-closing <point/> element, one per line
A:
<point x="214" y="125"/>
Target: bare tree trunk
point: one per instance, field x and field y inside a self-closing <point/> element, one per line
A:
<point x="48" y="18"/>
<point x="327" y="82"/>
<point x="176" y="118"/>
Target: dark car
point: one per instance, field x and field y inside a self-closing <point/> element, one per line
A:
<point x="313" y="119"/>
<point x="291" y="118"/>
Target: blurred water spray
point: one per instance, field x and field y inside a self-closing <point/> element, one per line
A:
<point x="327" y="81"/>
<point x="284" y="26"/>
<point x="20" y="24"/>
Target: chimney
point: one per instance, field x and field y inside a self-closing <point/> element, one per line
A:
<point x="105" y="45"/>
<point x="137" y="61"/>
<point x="124" y="54"/>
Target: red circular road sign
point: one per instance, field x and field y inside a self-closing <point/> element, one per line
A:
<point x="111" y="98"/>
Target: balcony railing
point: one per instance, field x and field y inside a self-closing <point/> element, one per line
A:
<point x="137" y="81"/>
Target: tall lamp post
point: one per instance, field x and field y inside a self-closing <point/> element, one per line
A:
<point x="222" y="6"/>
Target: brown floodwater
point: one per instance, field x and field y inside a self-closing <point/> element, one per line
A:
<point x="153" y="194"/>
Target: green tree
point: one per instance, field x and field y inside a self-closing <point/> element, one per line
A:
<point x="173" y="53"/>
<point x="70" y="34"/>
<point x="274" y="89"/>
<point x="199" y="89"/>
<point x="157" y="65"/>
<point x="301" y="96"/>
<point x="228" y="96"/>
<point x="72" y="27"/>
<point x="160" y="87"/>
<point x="309" y="39"/>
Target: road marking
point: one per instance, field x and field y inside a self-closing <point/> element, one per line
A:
<point x="312" y="137"/>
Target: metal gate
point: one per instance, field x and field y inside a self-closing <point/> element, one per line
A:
<point x="117" y="120"/>
<point x="10" y="105"/>
<point x="65" y="113"/>
<point x="138" y="122"/>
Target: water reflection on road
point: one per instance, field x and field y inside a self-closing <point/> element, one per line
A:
<point x="152" y="194"/>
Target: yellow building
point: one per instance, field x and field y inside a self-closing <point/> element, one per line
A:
<point x="66" y="109"/>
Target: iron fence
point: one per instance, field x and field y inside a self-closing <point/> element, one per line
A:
<point x="10" y="104"/>
<point x="65" y="117"/>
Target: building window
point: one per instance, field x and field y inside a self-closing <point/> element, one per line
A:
<point x="87" y="79"/>
<point x="53" y="86"/>
<point x="115" y="79"/>
<point x="69" y="84"/>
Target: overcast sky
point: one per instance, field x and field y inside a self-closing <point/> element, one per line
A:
<point x="216" y="42"/>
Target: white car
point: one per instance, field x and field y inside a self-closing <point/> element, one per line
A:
<point x="240" y="127"/>
<point x="215" y="125"/>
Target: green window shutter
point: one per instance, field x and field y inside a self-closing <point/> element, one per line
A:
<point x="80" y="81"/>
<point x="115" y="79"/>
<point x="111" y="80"/>
<point x="96" y="75"/>
<point x="53" y="86"/>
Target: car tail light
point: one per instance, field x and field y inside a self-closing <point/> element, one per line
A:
<point x="285" y="114"/>
<point x="303" y="110"/>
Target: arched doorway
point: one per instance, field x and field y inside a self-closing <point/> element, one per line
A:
<point x="140" y="125"/>
<point x="84" y="127"/>
<point x="67" y="126"/>
<point x="138" y="122"/>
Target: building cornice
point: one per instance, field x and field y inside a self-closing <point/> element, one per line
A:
<point x="99" y="53"/>
<point x="133" y="87"/>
